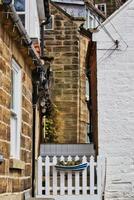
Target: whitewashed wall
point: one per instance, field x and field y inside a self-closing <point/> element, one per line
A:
<point x="115" y="73"/>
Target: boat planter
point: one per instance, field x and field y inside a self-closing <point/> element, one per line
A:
<point x="78" y="167"/>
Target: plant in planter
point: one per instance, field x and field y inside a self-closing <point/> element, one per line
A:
<point x="69" y="163"/>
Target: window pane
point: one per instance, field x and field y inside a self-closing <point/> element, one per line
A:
<point x="13" y="136"/>
<point x="19" y="5"/>
<point x="12" y="89"/>
<point x="22" y="17"/>
<point x="16" y="110"/>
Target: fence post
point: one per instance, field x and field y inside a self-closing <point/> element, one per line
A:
<point x="84" y="177"/>
<point x="54" y="189"/>
<point x="62" y="179"/>
<point x="92" y="175"/>
<point x="69" y="178"/>
<point x="39" y="177"/>
<point x="99" y="177"/>
<point x="77" y="179"/>
<point x="47" y="175"/>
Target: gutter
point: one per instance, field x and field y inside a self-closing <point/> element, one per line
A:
<point x="26" y="38"/>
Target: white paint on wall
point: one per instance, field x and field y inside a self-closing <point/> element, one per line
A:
<point x="115" y="75"/>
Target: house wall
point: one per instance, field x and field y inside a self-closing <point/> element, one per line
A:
<point x="111" y="6"/>
<point x="15" y="175"/>
<point x="63" y="43"/>
<point x="115" y="71"/>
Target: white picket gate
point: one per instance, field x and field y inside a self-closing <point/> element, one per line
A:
<point x="84" y="184"/>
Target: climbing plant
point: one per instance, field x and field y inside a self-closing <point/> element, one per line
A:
<point x="52" y="125"/>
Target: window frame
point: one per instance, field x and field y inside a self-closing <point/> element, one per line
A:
<point x="23" y="13"/>
<point x="31" y="18"/>
<point x="105" y="7"/>
<point x="16" y="111"/>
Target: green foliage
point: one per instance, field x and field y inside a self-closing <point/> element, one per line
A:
<point x="52" y="126"/>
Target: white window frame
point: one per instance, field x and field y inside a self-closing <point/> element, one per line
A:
<point x="105" y="7"/>
<point x="32" y="25"/>
<point x="15" y="121"/>
<point x="24" y="12"/>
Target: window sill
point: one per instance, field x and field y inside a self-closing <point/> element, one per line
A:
<point x="17" y="164"/>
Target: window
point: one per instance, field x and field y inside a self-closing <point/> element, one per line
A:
<point x="21" y="9"/>
<point x="27" y="11"/>
<point x="102" y="8"/>
<point x="50" y="26"/>
<point x="15" y="126"/>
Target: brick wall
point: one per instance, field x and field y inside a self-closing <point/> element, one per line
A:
<point x="63" y="43"/>
<point x="15" y="176"/>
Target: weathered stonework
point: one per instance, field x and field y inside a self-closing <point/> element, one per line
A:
<point x="15" y="175"/>
<point x="68" y="93"/>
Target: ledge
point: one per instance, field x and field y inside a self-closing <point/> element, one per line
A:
<point x="17" y="164"/>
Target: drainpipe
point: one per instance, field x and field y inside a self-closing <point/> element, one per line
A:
<point x="33" y="150"/>
<point x="89" y="104"/>
<point x="35" y="88"/>
<point x="34" y="100"/>
<point x="43" y="23"/>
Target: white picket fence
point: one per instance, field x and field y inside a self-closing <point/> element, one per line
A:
<point x="84" y="184"/>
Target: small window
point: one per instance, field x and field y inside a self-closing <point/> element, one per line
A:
<point x="15" y="126"/>
<point x="102" y="8"/>
<point x="50" y="26"/>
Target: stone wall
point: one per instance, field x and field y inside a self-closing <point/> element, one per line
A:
<point x="15" y="175"/>
<point x="63" y="43"/>
<point x="84" y="118"/>
<point x="115" y="71"/>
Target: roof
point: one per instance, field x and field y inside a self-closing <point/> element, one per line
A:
<point x="82" y="30"/>
<point x="81" y="3"/>
<point x="65" y="13"/>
